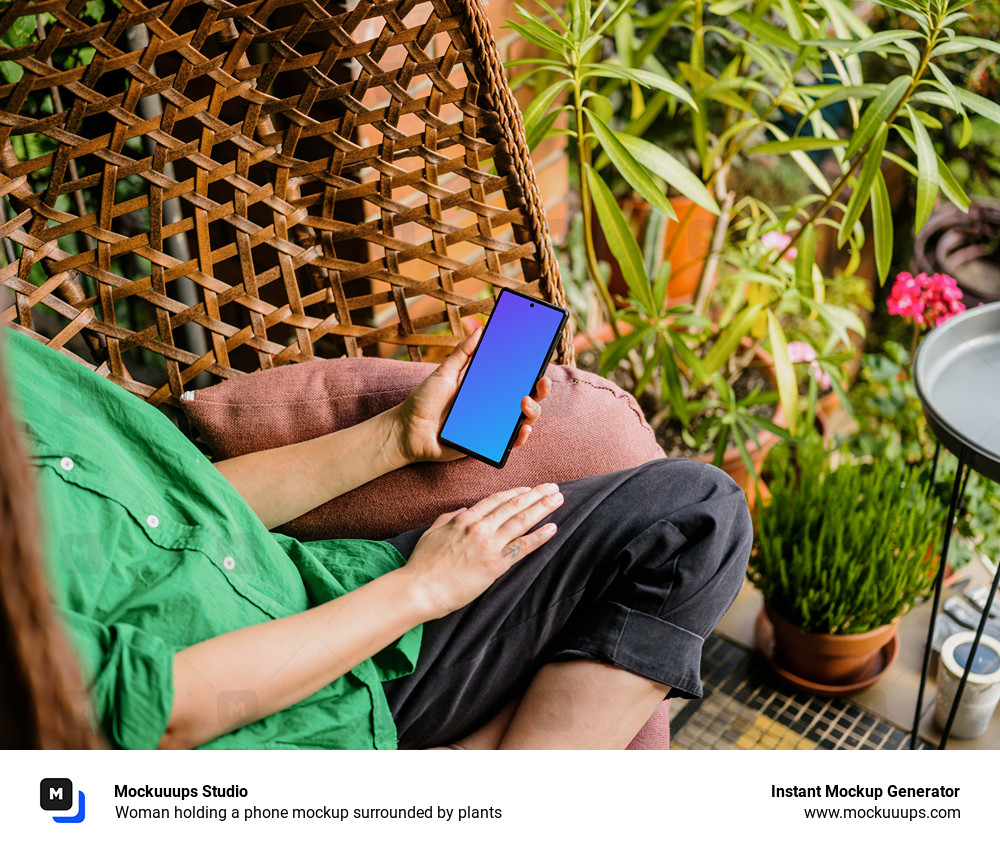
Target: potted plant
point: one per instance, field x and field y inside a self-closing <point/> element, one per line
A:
<point x="786" y="90"/>
<point x="841" y="555"/>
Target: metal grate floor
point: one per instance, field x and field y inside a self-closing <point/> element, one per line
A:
<point x="747" y="707"/>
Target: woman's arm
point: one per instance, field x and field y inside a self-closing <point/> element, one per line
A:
<point x="286" y="482"/>
<point x="284" y="661"/>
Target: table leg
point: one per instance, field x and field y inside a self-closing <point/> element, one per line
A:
<point x="957" y="491"/>
<point x="972" y="658"/>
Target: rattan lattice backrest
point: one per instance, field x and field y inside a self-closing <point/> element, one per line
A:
<point x="200" y="188"/>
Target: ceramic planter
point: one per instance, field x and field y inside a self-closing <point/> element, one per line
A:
<point x="827" y="659"/>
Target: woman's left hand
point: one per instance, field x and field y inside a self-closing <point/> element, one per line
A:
<point x="420" y="417"/>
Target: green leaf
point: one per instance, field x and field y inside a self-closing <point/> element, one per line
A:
<point x="877" y="113"/>
<point x="859" y="197"/>
<point x="541" y="103"/>
<point x="621" y="241"/>
<point x="730" y="338"/>
<point x="882" y="226"/>
<point x="641" y="76"/>
<point x="951" y="187"/>
<point x="805" y="258"/>
<point x="801" y="143"/>
<point x="809" y="168"/>
<point x="541" y="129"/>
<point x="617" y="350"/>
<point x="601" y="106"/>
<point x="635" y="174"/>
<point x="927" y="171"/>
<point x="12" y="72"/>
<point x="788" y="387"/>
<point x="873" y="42"/>
<point x="980" y="105"/>
<point x="677" y="175"/>
<point x="840" y="320"/>
<point x="671" y="388"/>
<point x="538" y="33"/>
<point x="725" y="8"/>
<point x="947" y="87"/>
<point x="979" y="43"/>
<point x="768" y="33"/>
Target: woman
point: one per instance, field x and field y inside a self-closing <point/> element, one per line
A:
<point x="549" y="617"/>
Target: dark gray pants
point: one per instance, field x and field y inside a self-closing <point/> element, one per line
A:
<point x="643" y="566"/>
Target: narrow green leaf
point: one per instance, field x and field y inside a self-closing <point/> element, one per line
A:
<point x="677" y="175"/>
<point x="859" y="197"/>
<point x="801" y="143"/>
<point x="980" y="105"/>
<point x="688" y="357"/>
<point x="621" y="241"/>
<point x="726" y="7"/>
<point x="882" y="226"/>
<point x="873" y="42"/>
<point x="641" y="76"/>
<point x="672" y="389"/>
<point x="979" y="43"/>
<point x="767" y="33"/>
<point x="541" y="103"/>
<point x="634" y="173"/>
<point x="788" y="387"/>
<point x="927" y="171"/>
<point x="877" y="113"/>
<point x="951" y="188"/>
<point x="730" y="338"/>
<point x="617" y="350"/>
<point x="539" y="34"/>
<point x="808" y="167"/>
<point x="805" y="258"/>
<point x="541" y="130"/>
<point x="947" y="86"/>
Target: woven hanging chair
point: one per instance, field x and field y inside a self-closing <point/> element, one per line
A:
<point x="199" y="189"/>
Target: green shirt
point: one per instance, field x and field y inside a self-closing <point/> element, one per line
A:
<point x="152" y="550"/>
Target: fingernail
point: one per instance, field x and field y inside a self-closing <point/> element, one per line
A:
<point x="548" y="530"/>
<point x="549" y="488"/>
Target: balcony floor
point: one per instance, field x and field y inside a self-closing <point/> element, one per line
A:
<point x="747" y="706"/>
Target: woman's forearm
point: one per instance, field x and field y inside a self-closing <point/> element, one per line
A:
<point x="284" y="661"/>
<point x="283" y="483"/>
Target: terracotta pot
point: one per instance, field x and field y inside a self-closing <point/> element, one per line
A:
<point x="685" y="246"/>
<point x="827" y="659"/>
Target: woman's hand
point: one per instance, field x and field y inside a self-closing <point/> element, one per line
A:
<point x="463" y="552"/>
<point x="420" y="417"/>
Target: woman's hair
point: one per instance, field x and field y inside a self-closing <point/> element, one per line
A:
<point x="42" y="701"/>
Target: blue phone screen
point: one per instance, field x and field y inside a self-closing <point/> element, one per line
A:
<point x="510" y="354"/>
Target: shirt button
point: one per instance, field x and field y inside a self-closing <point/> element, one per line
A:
<point x="152" y="521"/>
<point x="229" y="563"/>
<point x="67" y="463"/>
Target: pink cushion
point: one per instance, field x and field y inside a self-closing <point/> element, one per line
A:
<point x="655" y="734"/>
<point x="588" y="426"/>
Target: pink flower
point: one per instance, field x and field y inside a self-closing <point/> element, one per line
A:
<point x="778" y="242"/>
<point x="820" y="374"/>
<point x="926" y="299"/>
<point x="801" y="352"/>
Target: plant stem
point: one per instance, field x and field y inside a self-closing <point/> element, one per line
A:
<point x="583" y="159"/>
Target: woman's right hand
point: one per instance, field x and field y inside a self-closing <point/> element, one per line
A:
<point x="463" y="552"/>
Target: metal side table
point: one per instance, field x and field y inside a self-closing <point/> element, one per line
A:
<point x="957" y="376"/>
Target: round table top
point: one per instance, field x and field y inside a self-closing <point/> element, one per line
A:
<point x="957" y="376"/>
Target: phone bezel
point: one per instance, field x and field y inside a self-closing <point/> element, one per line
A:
<point x="545" y="362"/>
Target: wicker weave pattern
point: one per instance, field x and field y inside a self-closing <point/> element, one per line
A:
<point x="234" y="187"/>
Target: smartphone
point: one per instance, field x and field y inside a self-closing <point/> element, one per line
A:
<point x="511" y="356"/>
